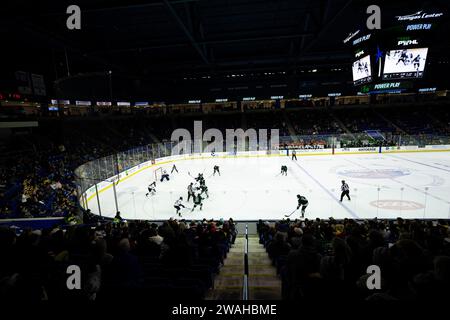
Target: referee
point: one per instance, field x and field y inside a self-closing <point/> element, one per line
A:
<point x="345" y="191"/>
<point x="294" y="155"/>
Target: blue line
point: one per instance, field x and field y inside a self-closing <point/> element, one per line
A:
<point x="424" y="164"/>
<point x="329" y="193"/>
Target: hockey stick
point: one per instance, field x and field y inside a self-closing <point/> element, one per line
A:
<point x="288" y="215"/>
<point x="192" y="176"/>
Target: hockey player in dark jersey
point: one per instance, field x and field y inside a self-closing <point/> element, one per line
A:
<point x="403" y="57"/>
<point x="284" y="170"/>
<point x="216" y="170"/>
<point x="416" y="62"/>
<point x="174" y="168"/>
<point x="198" y="201"/>
<point x="204" y="190"/>
<point x="200" y="179"/>
<point x="164" y="176"/>
<point x="303" y="203"/>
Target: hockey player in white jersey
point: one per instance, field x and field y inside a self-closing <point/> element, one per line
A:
<point x="151" y="189"/>
<point x="178" y="205"/>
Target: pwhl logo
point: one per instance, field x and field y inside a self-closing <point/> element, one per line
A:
<point x="359" y="54"/>
<point x="419" y="15"/>
<point x="407" y="42"/>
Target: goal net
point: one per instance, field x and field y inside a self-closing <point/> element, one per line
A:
<point x="158" y="173"/>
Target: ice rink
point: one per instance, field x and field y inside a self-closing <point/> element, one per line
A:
<point x="410" y="185"/>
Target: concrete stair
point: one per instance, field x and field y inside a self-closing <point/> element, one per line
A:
<point x="228" y="284"/>
<point x="264" y="283"/>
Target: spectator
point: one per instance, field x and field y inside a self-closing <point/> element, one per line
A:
<point x="302" y="265"/>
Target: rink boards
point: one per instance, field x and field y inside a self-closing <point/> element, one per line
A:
<point x="90" y="200"/>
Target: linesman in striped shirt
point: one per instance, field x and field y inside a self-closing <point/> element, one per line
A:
<point x="345" y="191"/>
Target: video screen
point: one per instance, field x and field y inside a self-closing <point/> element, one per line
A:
<point x="405" y="63"/>
<point x="362" y="72"/>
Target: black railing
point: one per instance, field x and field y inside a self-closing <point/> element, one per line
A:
<point x="245" y="285"/>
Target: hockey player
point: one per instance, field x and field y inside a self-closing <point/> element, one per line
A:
<point x="198" y="201"/>
<point x="165" y="175"/>
<point x="403" y="57"/>
<point x="190" y="191"/>
<point x="204" y="190"/>
<point x="200" y="179"/>
<point x="294" y="155"/>
<point x="345" y="191"/>
<point x="196" y="187"/>
<point x="216" y="170"/>
<point x="178" y="205"/>
<point x="174" y="168"/>
<point x="284" y="170"/>
<point x="151" y="189"/>
<point x="302" y="202"/>
<point x="416" y="62"/>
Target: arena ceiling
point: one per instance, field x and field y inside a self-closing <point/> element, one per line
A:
<point x="163" y="39"/>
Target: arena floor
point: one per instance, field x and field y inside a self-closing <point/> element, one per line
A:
<point x="410" y="185"/>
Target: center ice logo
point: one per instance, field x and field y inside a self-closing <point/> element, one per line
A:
<point x="235" y="140"/>
<point x="397" y="205"/>
<point x="374" y="174"/>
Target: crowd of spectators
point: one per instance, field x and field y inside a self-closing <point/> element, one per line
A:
<point x="38" y="185"/>
<point x="117" y="260"/>
<point x="315" y="122"/>
<point x="37" y="176"/>
<point x="328" y="259"/>
<point x="37" y="169"/>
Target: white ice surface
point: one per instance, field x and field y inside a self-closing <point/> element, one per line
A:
<point x="410" y="185"/>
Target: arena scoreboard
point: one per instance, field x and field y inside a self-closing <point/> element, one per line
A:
<point x="397" y="55"/>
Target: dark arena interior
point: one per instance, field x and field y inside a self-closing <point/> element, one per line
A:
<point x="142" y="140"/>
